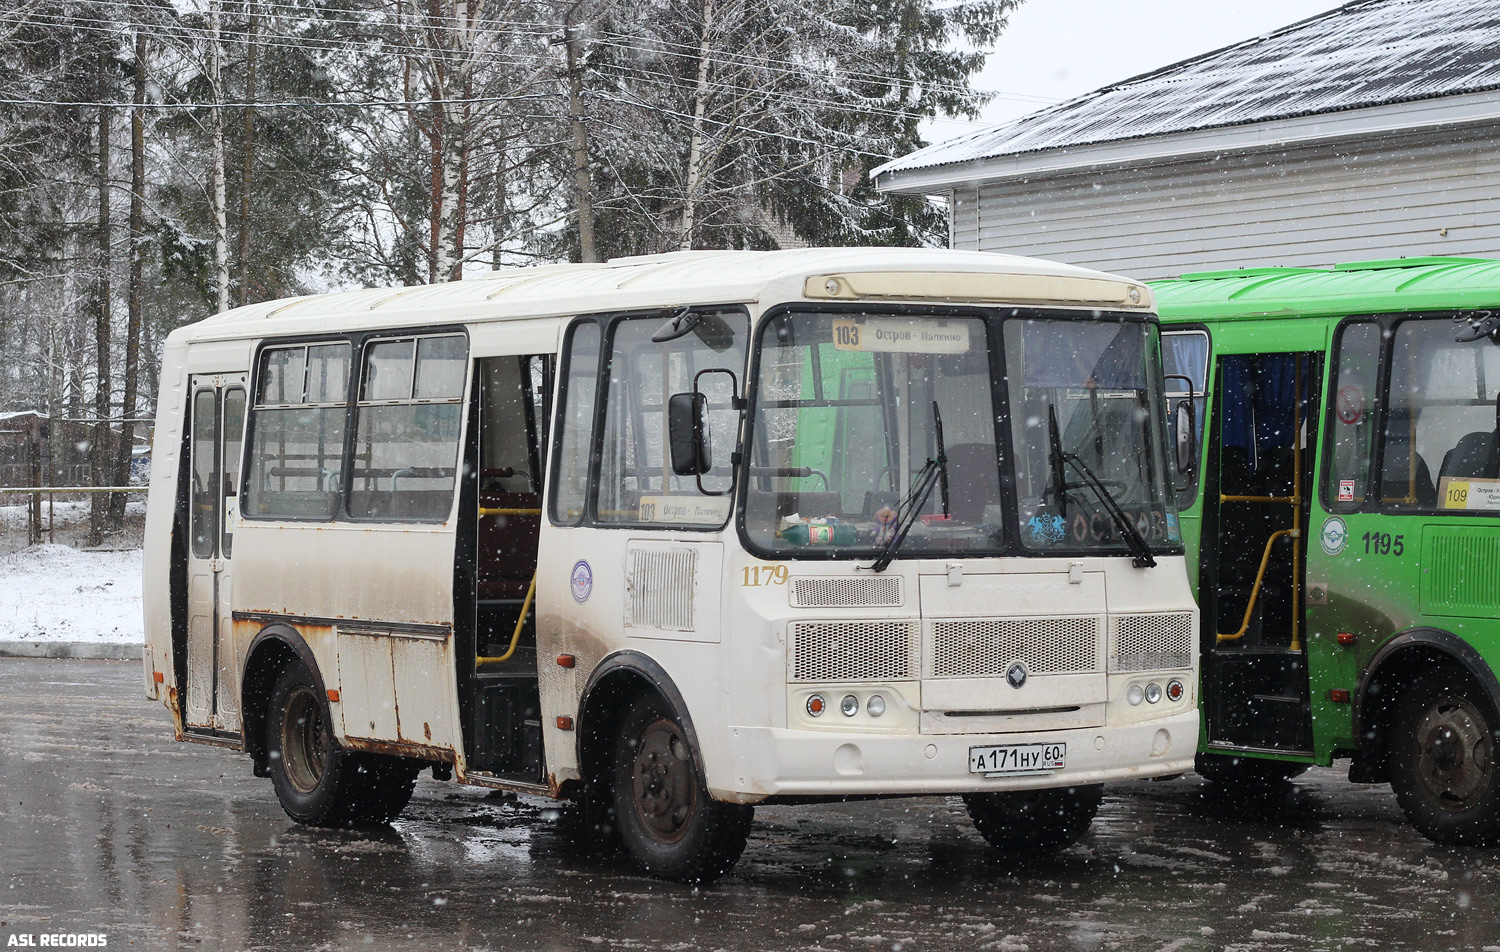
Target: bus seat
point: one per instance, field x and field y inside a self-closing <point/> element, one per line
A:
<point x="1405" y="474"/>
<point x="1474" y="457"/>
<point x="810" y="505"/>
<point x="973" y="480"/>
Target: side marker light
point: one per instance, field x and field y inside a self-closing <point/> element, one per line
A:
<point x="1338" y="696"/>
<point x="1346" y="637"/>
<point x="159" y="677"/>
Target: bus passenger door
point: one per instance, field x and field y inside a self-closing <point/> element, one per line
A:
<point x="498" y="686"/>
<point x="216" y="428"/>
<point x="1253" y="560"/>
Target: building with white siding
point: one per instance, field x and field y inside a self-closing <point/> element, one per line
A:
<point x="1366" y="132"/>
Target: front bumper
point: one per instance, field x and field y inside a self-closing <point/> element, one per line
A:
<point x="776" y="762"/>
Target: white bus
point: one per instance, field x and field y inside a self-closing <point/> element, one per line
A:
<point x="675" y="536"/>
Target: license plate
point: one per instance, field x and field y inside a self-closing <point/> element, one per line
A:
<point x="1017" y="758"/>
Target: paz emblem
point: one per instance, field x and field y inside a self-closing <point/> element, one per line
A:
<point x="1016" y="675"/>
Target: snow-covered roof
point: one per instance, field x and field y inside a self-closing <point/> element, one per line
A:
<point x="700" y="277"/>
<point x="1365" y="54"/>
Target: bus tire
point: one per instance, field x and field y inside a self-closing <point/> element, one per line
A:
<point x="666" y="819"/>
<point x="1231" y="771"/>
<point x="1034" y="822"/>
<point x="317" y="781"/>
<point x="1442" y="758"/>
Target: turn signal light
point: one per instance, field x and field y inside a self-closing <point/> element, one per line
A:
<point x="1346" y="637"/>
<point x="815" y="705"/>
<point x="1174" y="690"/>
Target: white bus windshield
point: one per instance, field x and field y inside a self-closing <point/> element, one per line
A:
<point x="850" y="407"/>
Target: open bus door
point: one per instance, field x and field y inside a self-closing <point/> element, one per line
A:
<point x="501" y="512"/>
<point x="1253" y="562"/>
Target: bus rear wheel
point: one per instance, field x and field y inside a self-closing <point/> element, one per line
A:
<point x="1442" y="758"/>
<point x="318" y="782"/>
<point x="666" y="818"/>
<point x="1034" y="822"/>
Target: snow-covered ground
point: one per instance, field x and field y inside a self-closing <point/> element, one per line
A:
<point x="57" y="593"/>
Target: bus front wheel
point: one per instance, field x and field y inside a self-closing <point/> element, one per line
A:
<point x="1034" y="822"/>
<point x="1442" y="758"/>
<point x="666" y="818"/>
<point x="317" y="781"/>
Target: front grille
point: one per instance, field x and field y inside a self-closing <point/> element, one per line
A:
<point x="1152" y="642"/>
<point x="884" y="592"/>
<point x="853" y="650"/>
<point x="986" y="647"/>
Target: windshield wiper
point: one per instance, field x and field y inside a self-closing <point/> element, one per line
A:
<point x="932" y="473"/>
<point x="1140" y="550"/>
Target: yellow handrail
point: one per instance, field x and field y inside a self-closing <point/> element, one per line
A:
<point x="515" y="636"/>
<point x="509" y="512"/>
<point x="1265" y="559"/>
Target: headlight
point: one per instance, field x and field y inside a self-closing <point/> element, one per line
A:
<point x="1133" y="694"/>
<point x="876" y="705"/>
<point x="849" y="705"/>
<point x="1153" y="693"/>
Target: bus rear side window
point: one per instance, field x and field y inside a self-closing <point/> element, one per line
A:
<point x="406" y="436"/>
<point x="297" y="427"/>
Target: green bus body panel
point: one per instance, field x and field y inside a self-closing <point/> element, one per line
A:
<point x="1448" y="573"/>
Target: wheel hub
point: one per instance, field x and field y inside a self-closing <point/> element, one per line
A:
<point x="304" y="739"/>
<point x="664" y="787"/>
<point x="1454" y="762"/>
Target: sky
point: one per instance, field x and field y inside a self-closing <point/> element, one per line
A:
<point x="1057" y="49"/>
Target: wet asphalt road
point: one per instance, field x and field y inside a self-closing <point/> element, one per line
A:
<point x="108" y="826"/>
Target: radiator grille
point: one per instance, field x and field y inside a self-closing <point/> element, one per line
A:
<point x="1460" y="567"/>
<point x="660" y="589"/>
<point x="986" y="647"/>
<point x="1149" y="642"/>
<point x="853" y="650"/>
<point x="882" y="592"/>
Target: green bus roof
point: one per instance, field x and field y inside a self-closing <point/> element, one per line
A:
<point x="1362" y="287"/>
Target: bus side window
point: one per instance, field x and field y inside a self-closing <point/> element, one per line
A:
<point x="1440" y="444"/>
<point x="297" y="432"/>
<point x="406" y="435"/>
<point x="1185" y="354"/>
<point x="636" y="482"/>
<point x="1351" y="428"/>
<point x="575" y="423"/>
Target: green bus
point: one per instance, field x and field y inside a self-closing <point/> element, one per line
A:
<point x="1343" y="524"/>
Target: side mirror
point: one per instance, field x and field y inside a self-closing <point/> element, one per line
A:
<point x="1187" y="437"/>
<point x="688" y="434"/>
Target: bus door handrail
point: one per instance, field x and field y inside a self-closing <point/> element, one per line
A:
<point x="1265" y="559"/>
<point x="515" y="636"/>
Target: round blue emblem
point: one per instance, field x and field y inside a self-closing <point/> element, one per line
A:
<point x="581" y="581"/>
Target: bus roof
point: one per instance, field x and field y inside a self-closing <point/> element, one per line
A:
<point x="697" y="277"/>
<point x="1360" y="287"/>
